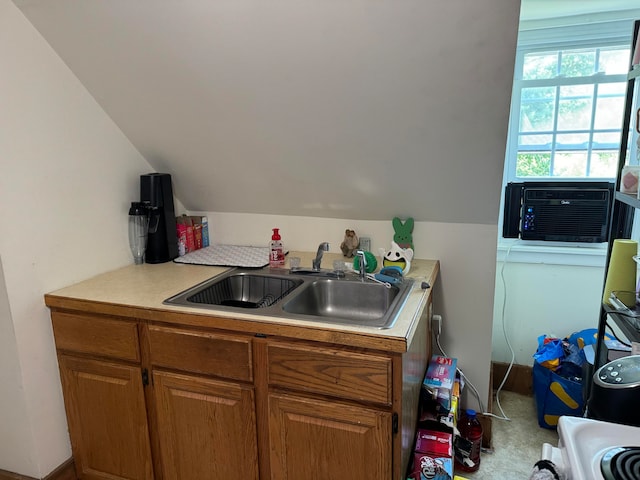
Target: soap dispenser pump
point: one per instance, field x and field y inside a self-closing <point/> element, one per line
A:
<point x="276" y="250"/>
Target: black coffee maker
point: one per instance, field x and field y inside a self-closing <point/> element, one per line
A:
<point x="156" y="194"/>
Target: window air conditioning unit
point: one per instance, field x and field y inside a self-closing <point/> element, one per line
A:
<point x="558" y="211"/>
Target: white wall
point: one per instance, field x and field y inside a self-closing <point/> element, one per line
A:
<point x="465" y="291"/>
<point x="546" y="293"/>
<point x="67" y="176"/>
<point x="13" y="412"/>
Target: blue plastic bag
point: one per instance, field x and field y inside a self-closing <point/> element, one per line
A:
<point x="549" y="352"/>
<point x="588" y="336"/>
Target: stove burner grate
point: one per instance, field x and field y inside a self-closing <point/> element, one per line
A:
<point x="621" y="463"/>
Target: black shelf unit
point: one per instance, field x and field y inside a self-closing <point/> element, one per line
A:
<point x="624" y="322"/>
<point x="623" y="209"/>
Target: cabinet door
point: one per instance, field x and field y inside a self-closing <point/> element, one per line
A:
<point x="207" y="428"/>
<point x="107" y="419"/>
<point x="319" y="440"/>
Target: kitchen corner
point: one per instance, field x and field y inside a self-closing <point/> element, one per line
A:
<point x="269" y="397"/>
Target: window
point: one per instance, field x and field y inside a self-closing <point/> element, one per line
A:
<point x="567" y="109"/>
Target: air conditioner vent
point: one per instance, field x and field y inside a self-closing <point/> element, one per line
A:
<point x="577" y="212"/>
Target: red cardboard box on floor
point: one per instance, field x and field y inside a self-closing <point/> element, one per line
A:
<point x="436" y="443"/>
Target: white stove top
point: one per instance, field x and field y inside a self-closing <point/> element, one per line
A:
<point x="583" y="442"/>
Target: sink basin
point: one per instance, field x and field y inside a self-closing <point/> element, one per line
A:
<point x="313" y="297"/>
<point x="355" y="301"/>
<point x="238" y="289"/>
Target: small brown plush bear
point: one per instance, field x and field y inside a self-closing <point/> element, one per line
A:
<point x="350" y="243"/>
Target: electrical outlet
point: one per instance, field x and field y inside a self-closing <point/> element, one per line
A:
<point x="365" y="244"/>
<point x="436" y="324"/>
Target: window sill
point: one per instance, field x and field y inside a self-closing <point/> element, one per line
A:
<point x="552" y="253"/>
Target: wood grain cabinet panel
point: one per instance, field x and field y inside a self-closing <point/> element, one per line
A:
<point x="201" y="352"/>
<point x="94" y="335"/>
<point x="173" y="401"/>
<point x="107" y="419"/>
<point x="327" y="371"/>
<point x="315" y="439"/>
<point x="207" y="428"/>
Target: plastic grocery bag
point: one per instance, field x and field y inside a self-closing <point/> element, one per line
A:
<point x="588" y="336"/>
<point x="555" y="396"/>
<point x="557" y="382"/>
<point x="549" y="352"/>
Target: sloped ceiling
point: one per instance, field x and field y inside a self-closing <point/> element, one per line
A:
<point x="352" y="109"/>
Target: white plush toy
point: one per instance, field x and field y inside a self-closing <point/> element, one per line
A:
<point x="400" y="257"/>
<point x="546" y="470"/>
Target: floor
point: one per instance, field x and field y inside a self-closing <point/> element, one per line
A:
<point x="517" y="443"/>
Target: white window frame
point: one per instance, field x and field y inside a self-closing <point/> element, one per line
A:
<point x="616" y="32"/>
<point x="519" y="84"/>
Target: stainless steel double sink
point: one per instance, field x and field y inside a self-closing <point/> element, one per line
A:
<point x="289" y="294"/>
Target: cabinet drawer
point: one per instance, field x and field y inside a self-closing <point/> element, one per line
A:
<point x="95" y="335"/>
<point x="201" y="352"/>
<point x="331" y="372"/>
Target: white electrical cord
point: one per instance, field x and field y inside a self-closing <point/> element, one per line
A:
<point x="460" y="372"/>
<point x="504" y="331"/>
<point x="467" y="381"/>
<point x="438" y="318"/>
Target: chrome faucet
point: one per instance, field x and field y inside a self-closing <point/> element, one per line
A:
<point x="323" y="247"/>
<point x="363" y="264"/>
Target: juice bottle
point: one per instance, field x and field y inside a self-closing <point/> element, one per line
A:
<point x="471" y="430"/>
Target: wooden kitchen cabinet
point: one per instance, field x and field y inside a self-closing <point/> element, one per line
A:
<point x="320" y="439"/>
<point x="340" y="373"/>
<point x="206" y="424"/>
<point x="206" y="428"/>
<point x="318" y="426"/>
<point x="153" y="393"/>
<point x="107" y="419"/>
<point x="157" y="401"/>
